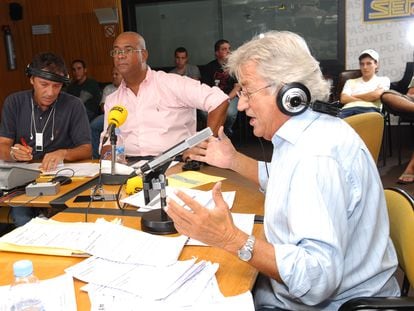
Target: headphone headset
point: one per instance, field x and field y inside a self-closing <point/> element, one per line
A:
<point x="51" y="76"/>
<point x="294" y="98"/>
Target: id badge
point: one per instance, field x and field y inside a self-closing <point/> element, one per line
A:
<point x="39" y="141"/>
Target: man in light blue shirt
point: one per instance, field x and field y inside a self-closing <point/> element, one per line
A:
<point x="325" y="217"/>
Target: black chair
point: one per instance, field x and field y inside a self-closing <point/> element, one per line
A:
<point x="402" y="85"/>
<point x="390" y="106"/>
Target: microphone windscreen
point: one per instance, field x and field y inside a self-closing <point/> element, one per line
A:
<point x="133" y="185"/>
<point x="117" y="115"/>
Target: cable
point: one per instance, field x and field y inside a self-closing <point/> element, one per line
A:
<point x="264" y="156"/>
<point x="118" y="195"/>
<point x="65" y="169"/>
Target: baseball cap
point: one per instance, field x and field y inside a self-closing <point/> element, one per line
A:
<point x="373" y="54"/>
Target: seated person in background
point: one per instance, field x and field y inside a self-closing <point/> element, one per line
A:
<point x="161" y="106"/>
<point x="85" y="88"/>
<point x="403" y="103"/>
<point x="363" y="94"/>
<point x="325" y="217"/>
<point x="53" y="123"/>
<point x="97" y="124"/>
<point x="181" y="65"/>
<point x="215" y="74"/>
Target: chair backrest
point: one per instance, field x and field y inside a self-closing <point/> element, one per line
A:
<point x="370" y="127"/>
<point x="343" y="76"/>
<point x="402" y="85"/>
<point x="401" y="214"/>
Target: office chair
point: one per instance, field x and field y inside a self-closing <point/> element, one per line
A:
<point x="390" y="105"/>
<point x="370" y="127"/>
<point x="402" y="85"/>
<point x="343" y="77"/>
<point x="401" y="213"/>
<point x="356" y="73"/>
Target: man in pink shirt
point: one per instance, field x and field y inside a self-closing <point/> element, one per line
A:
<point x="161" y="106"/>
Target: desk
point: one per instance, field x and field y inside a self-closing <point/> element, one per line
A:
<point x="233" y="276"/>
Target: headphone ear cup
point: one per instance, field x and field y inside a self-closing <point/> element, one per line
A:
<point x="293" y="98"/>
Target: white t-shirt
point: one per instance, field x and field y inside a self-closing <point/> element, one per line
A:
<point x="359" y="86"/>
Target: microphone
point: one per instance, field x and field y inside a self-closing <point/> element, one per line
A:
<point x="133" y="185"/>
<point x="173" y="152"/>
<point x="117" y="116"/>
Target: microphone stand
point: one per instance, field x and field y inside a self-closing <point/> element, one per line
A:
<point x="113" y="178"/>
<point x="113" y="139"/>
<point x="156" y="221"/>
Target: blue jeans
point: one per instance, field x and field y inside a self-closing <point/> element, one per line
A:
<point x="23" y="214"/>
<point x="97" y="125"/>
<point x="347" y="112"/>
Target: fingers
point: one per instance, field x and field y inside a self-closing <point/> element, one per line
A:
<point x="218" y="196"/>
<point x="21" y="153"/>
<point x="50" y="162"/>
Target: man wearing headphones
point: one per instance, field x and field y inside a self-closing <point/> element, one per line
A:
<point x="325" y="218"/>
<point x="44" y="123"/>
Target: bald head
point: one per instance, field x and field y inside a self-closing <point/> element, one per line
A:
<point x="132" y="37"/>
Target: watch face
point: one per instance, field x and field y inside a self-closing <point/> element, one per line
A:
<point x="245" y="255"/>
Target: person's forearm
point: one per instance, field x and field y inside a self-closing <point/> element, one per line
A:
<point x="82" y="152"/>
<point x="263" y="255"/>
<point x="245" y="166"/>
<point x="5" y="153"/>
<point x="345" y="99"/>
<point x="217" y="117"/>
<point x="370" y="96"/>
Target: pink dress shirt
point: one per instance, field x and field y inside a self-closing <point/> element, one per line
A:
<point x="163" y="113"/>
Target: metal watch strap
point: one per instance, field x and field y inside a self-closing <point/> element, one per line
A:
<point x="246" y="252"/>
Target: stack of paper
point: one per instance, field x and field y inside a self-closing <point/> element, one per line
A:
<point x="103" y="239"/>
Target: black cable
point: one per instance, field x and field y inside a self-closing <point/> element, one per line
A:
<point x="118" y="195"/>
<point x="264" y="156"/>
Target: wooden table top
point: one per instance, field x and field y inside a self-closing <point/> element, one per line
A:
<point x="233" y="276"/>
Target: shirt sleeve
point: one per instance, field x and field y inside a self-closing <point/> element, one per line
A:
<point x="311" y="265"/>
<point x="347" y="89"/>
<point x="385" y="83"/>
<point x="8" y="119"/>
<point x="411" y="83"/>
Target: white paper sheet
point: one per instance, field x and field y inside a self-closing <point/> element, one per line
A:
<point x="103" y="239"/>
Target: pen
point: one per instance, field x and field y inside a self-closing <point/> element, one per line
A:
<point x="23" y="141"/>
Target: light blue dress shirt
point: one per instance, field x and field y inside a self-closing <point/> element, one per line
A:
<point x="325" y="214"/>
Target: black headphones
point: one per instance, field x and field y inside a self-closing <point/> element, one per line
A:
<point x="294" y="98"/>
<point x="51" y="76"/>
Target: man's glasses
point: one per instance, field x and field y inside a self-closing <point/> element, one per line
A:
<point x="126" y="51"/>
<point x="249" y="94"/>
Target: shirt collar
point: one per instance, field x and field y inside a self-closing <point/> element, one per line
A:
<point x="293" y="128"/>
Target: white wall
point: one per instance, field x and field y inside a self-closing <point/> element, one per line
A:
<point x="388" y="38"/>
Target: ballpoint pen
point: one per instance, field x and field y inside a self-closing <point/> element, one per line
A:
<point x="23" y="142"/>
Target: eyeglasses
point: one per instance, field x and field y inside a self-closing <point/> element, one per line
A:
<point x="249" y="94"/>
<point x="126" y="51"/>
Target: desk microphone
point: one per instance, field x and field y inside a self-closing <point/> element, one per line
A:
<point x="173" y="152"/>
<point x="117" y="116"/>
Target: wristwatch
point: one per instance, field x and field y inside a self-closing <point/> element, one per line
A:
<point x="246" y="252"/>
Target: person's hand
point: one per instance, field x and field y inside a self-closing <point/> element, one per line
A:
<point x="214" y="227"/>
<point x="51" y="160"/>
<point x="217" y="151"/>
<point x="21" y="153"/>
